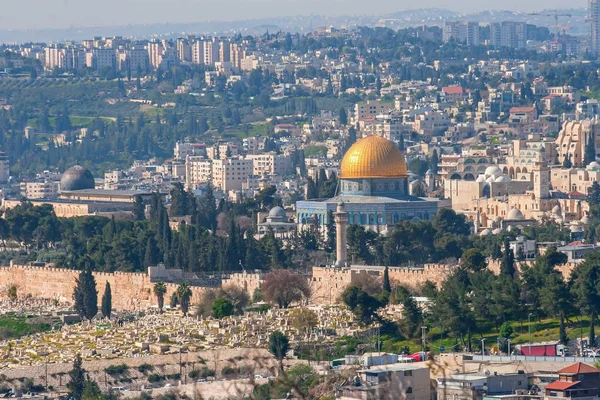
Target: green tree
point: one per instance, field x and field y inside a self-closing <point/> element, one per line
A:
<point x="593" y="197"/>
<point x="386" y="281"/>
<point x="107" y="301"/>
<point x="412" y="317"/>
<point x="152" y="254"/>
<point x="184" y="294"/>
<point x="77" y="379"/>
<point x="279" y="345"/>
<point x="91" y="391"/>
<point x="585" y="286"/>
<point x="363" y="305"/>
<point x="590" y="150"/>
<point x="507" y="265"/>
<point x="160" y="289"/>
<point x="453" y="305"/>
<point x="174" y="300"/>
<point x="473" y="260"/>
<point x="343" y="116"/>
<point x="221" y="308"/>
<point x="139" y="209"/>
<point x="556" y="301"/>
<point x="85" y="295"/>
<point x="434" y="162"/>
<point x="311" y="189"/>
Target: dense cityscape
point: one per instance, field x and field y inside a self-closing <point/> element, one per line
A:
<point x="400" y="206"/>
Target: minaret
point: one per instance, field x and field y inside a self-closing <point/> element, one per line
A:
<point x="341" y="224"/>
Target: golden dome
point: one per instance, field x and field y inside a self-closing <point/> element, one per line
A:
<point x="373" y="157"/>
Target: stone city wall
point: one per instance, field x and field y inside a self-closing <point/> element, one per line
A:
<point x="130" y="291"/>
<point x="565" y="269"/>
<point x="250" y="282"/>
<point x="328" y="284"/>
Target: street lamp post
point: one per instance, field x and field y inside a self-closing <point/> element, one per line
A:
<point x="423" y="329"/>
<point x="483" y="346"/>
<point x="529" y="326"/>
<point x="509" y="353"/>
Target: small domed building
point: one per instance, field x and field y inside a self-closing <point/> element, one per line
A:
<point x="277" y="222"/>
<point x="373" y="186"/>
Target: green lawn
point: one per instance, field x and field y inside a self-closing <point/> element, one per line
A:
<point x="14" y="326"/>
<point x="76" y="121"/>
<point x="546" y="330"/>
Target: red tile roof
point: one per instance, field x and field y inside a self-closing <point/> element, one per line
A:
<point x="578" y="368"/>
<point x="453" y="90"/>
<point x="560" y="385"/>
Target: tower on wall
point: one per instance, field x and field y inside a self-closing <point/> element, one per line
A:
<point x="341" y="224"/>
<point x="541" y="181"/>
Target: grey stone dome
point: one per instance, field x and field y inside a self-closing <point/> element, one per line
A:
<point x="77" y="178"/>
<point x="515" y="214"/>
<point x="277" y="212"/>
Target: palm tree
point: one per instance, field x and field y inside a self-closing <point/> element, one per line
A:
<point x="184" y="293"/>
<point x="159" y="291"/>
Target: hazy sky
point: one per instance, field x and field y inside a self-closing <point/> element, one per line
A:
<point x="40" y="14"/>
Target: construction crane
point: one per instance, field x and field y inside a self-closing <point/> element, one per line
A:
<point x="556" y="15"/>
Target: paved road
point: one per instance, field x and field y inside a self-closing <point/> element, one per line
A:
<point x="225" y="389"/>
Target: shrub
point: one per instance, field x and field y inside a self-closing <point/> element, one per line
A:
<point x="154" y="378"/>
<point x="207" y="372"/>
<point x="227" y="370"/>
<point x="174" y="376"/>
<point x="145" y="368"/>
<point x="113" y="370"/>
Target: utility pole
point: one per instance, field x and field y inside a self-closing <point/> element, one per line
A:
<point x="423" y="339"/>
<point x="483" y="346"/>
<point x="529" y="326"/>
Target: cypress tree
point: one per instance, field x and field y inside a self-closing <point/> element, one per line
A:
<point x="77" y="379"/>
<point x="434" y="162"/>
<point x="386" y="281"/>
<point x="107" y="301"/>
<point x="152" y="254"/>
<point x="139" y="209"/>
<point x="507" y="266"/>
<point x="343" y="116"/>
<point x="331" y="232"/>
<point x="85" y="295"/>
<point x="311" y="189"/>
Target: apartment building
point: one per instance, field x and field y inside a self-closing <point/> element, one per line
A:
<point x="271" y="164"/>
<point x="462" y="31"/>
<point x="182" y="150"/>
<point x="39" y="190"/>
<point x="508" y="34"/>
<point x="392" y="381"/>
<point x="184" y="50"/>
<point x="231" y="173"/>
<point x="594" y="19"/>
<point x="573" y="139"/>
<point x="198" y="170"/>
<point x="210" y="52"/>
<point x="55" y="57"/>
<point x="431" y="122"/>
<point x="371" y="108"/>
<point x="224" y="51"/>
